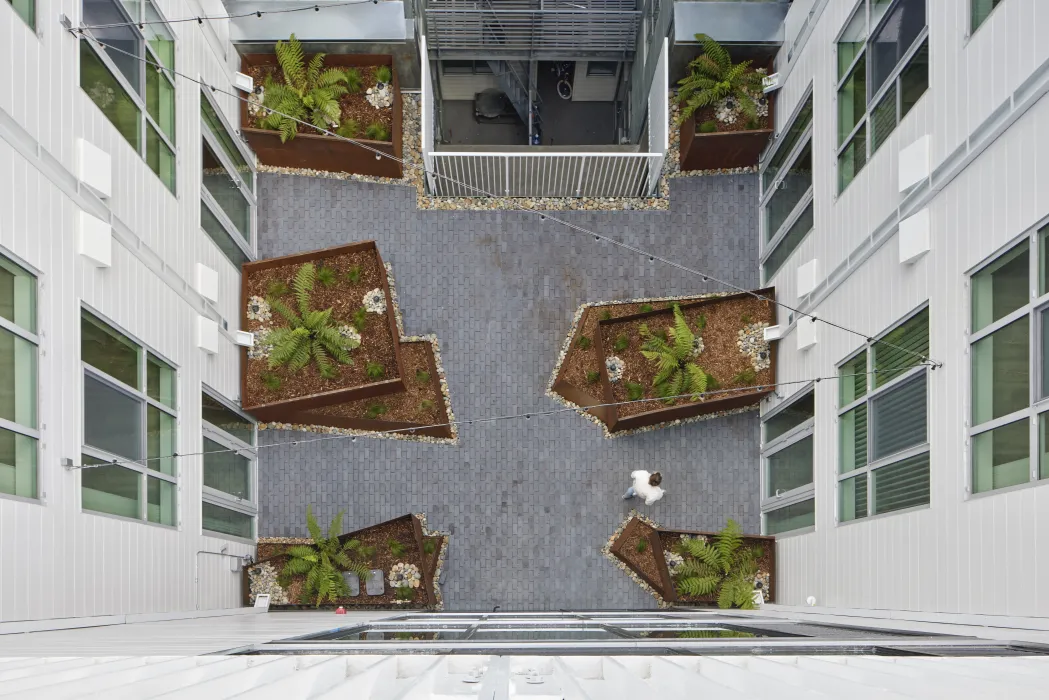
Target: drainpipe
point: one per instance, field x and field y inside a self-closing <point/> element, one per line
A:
<point x="196" y="568"/>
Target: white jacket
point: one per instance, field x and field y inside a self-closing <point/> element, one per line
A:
<point x="650" y="493"/>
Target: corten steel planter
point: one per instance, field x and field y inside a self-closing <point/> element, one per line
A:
<point x="320" y="152"/>
<point x="375" y="425"/>
<point x="725" y="149"/>
<point x="285" y="410"/>
<point x="735" y="400"/>
<point x="748" y="541"/>
<point x="663" y="583"/>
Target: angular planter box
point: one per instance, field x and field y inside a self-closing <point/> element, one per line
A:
<point x="320" y="152"/>
<point x="286" y="409"/>
<point x="728" y="149"/>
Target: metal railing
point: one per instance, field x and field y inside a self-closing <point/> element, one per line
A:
<point x="472" y="174"/>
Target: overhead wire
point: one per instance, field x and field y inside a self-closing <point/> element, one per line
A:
<point x="543" y="215"/>
<point x="494" y="419"/>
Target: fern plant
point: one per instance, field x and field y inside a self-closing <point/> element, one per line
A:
<point x="724" y="567"/>
<point x="310" y="92"/>
<point x="309" y="334"/>
<point x="677" y="374"/>
<point x="713" y="77"/>
<point x="323" y="562"/>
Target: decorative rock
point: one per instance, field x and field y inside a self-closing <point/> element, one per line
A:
<point x="751" y="342"/>
<point x="403" y="574"/>
<point x="674" y="560"/>
<point x="259" y="309"/>
<point x="380" y="96"/>
<point x="353" y="582"/>
<point x="375" y="301"/>
<point x="262" y="579"/>
<point x="261" y="347"/>
<point x="255" y="99"/>
<point x="615" y="368"/>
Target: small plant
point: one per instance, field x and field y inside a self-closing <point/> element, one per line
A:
<point x="374" y="370"/>
<point x="422" y="376"/>
<point x="353" y="79"/>
<point x="606" y="315"/>
<point x="701" y="323"/>
<point x="583" y="343"/>
<point x="592" y="377"/>
<point x="723" y="566"/>
<point x="426" y="406"/>
<point x="366" y="551"/>
<point x="708" y="127"/>
<point x="712" y="382"/>
<point x="645" y="308"/>
<point x="641" y="546"/>
<point x="354" y="274"/>
<point x="622" y="342"/>
<point x="404" y="593"/>
<point x="677" y="374"/>
<point x="745" y="319"/>
<point x="323" y="562"/>
<point x="276" y="289"/>
<point x="634" y="391"/>
<point x="271" y="381"/>
<point x="349" y="129"/>
<point x="376" y="131"/>
<point x="429" y="547"/>
<point x="714" y="77"/>
<point x="374" y="411"/>
<point x="327" y="276"/>
<point x="396" y="548"/>
<point x="383" y="74"/>
<point x="747" y="376"/>
<point x="359" y="319"/>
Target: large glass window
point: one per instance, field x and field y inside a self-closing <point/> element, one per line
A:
<point x="1009" y="377"/>
<point x="883" y="451"/>
<point x="132" y="83"/>
<point x="981" y="10"/>
<point x="26" y="9"/>
<point x="787" y="497"/>
<point x="227" y="193"/>
<point x="130" y="426"/>
<point x="229" y="465"/>
<point x="883" y="69"/>
<point x="18" y="381"/>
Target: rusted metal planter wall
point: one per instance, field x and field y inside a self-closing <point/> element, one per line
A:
<point x="287" y="409"/>
<point x="320" y="152"/>
<point x="729" y="149"/>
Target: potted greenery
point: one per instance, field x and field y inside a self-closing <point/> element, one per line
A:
<point x="725" y="118"/>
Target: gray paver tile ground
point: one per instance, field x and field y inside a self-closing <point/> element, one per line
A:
<point x="529" y="503"/>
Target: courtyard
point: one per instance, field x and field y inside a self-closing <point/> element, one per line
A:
<point x="528" y="503"/>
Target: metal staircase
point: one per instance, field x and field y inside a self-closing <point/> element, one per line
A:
<point x="511" y="76"/>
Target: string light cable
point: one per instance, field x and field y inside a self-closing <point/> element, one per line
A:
<point x="706" y="277"/>
<point x="493" y="419"/>
<point x="208" y="18"/>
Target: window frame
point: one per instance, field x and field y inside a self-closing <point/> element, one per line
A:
<point x="872" y="100"/>
<point x="145" y="402"/>
<point x="138" y="95"/>
<point x="975" y="28"/>
<point x="1037" y="239"/>
<point x="769" y="241"/>
<point x="220" y="498"/>
<point x="35" y="9"/>
<point x="34" y="339"/>
<point x="247" y="247"/>
<point x="870" y="396"/>
<point x="804" y="430"/>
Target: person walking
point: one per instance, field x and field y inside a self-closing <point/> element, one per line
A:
<point x="645" y="486"/>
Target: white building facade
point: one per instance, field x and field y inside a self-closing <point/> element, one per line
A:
<point x="904" y="198"/>
<point x="126" y="206"/>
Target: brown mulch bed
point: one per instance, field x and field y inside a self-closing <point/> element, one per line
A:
<point x="344" y="297"/>
<point x="645" y="561"/>
<point x="708" y="114"/>
<point x="670" y="540"/>
<point x="405" y="406"/>
<point x="354" y="105"/>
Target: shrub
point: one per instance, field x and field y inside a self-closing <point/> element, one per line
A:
<point x="404" y="593"/>
<point x="374" y="411"/>
<point x="645" y="308"/>
<point x="701" y="323"/>
<point x="354" y="274"/>
<point x="712" y="383"/>
<point x="583" y="343"/>
<point x="622" y="342"/>
<point x="592" y="377"/>
<point x="676" y="374"/>
<point x="309" y="334"/>
<point x="723" y="566"/>
<point x="383" y="74"/>
<point x="366" y="551"/>
<point x="747" y="376"/>
<point x="422" y="376"/>
<point x="360" y="319"/>
<point x="374" y="370"/>
<point x="429" y="547"/>
<point x="323" y="562"/>
<point x="271" y="381"/>
<point x="353" y="79"/>
<point x="634" y="391"/>
<point x="426" y="406"/>
<point x="349" y="129"/>
<point x="605" y="315"/>
<point x="713" y="77"/>
<point x="641" y="546"/>
<point x="708" y="127"/>
<point x="396" y="548"/>
<point x="327" y="276"/>
<point x="276" y="289"/>
<point x="377" y="132"/>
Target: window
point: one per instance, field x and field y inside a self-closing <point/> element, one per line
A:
<point x="466" y="67"/>
<point x="883" y="69"/>
<point x="26" y="9"/>
<point x="227" y="191"/>
<point x="787" y="494"/>
<point x="137" y="98"/>
<point x="979" y="11"/>
<point x="130" y="418"/>
<point x="787" y="191"/>
<point x="883" y="450"/>
<point x="601" y="69"/>
<point x="1009" y="353"/>
<point x="228" y="496"/>
<point x="18" y="372"/>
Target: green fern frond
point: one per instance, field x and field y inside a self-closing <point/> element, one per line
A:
<point x="681" y="335"/>
<point x="313" y="70"/>
<point x="291" y="60"/>
<point x="696" y="380"/>
<point x="716" y="52"/>
<point x="285" y="312"/>
<point x="698" y="586"/>
<point x="302" y="285"/>
<point x="729" y="540"/>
